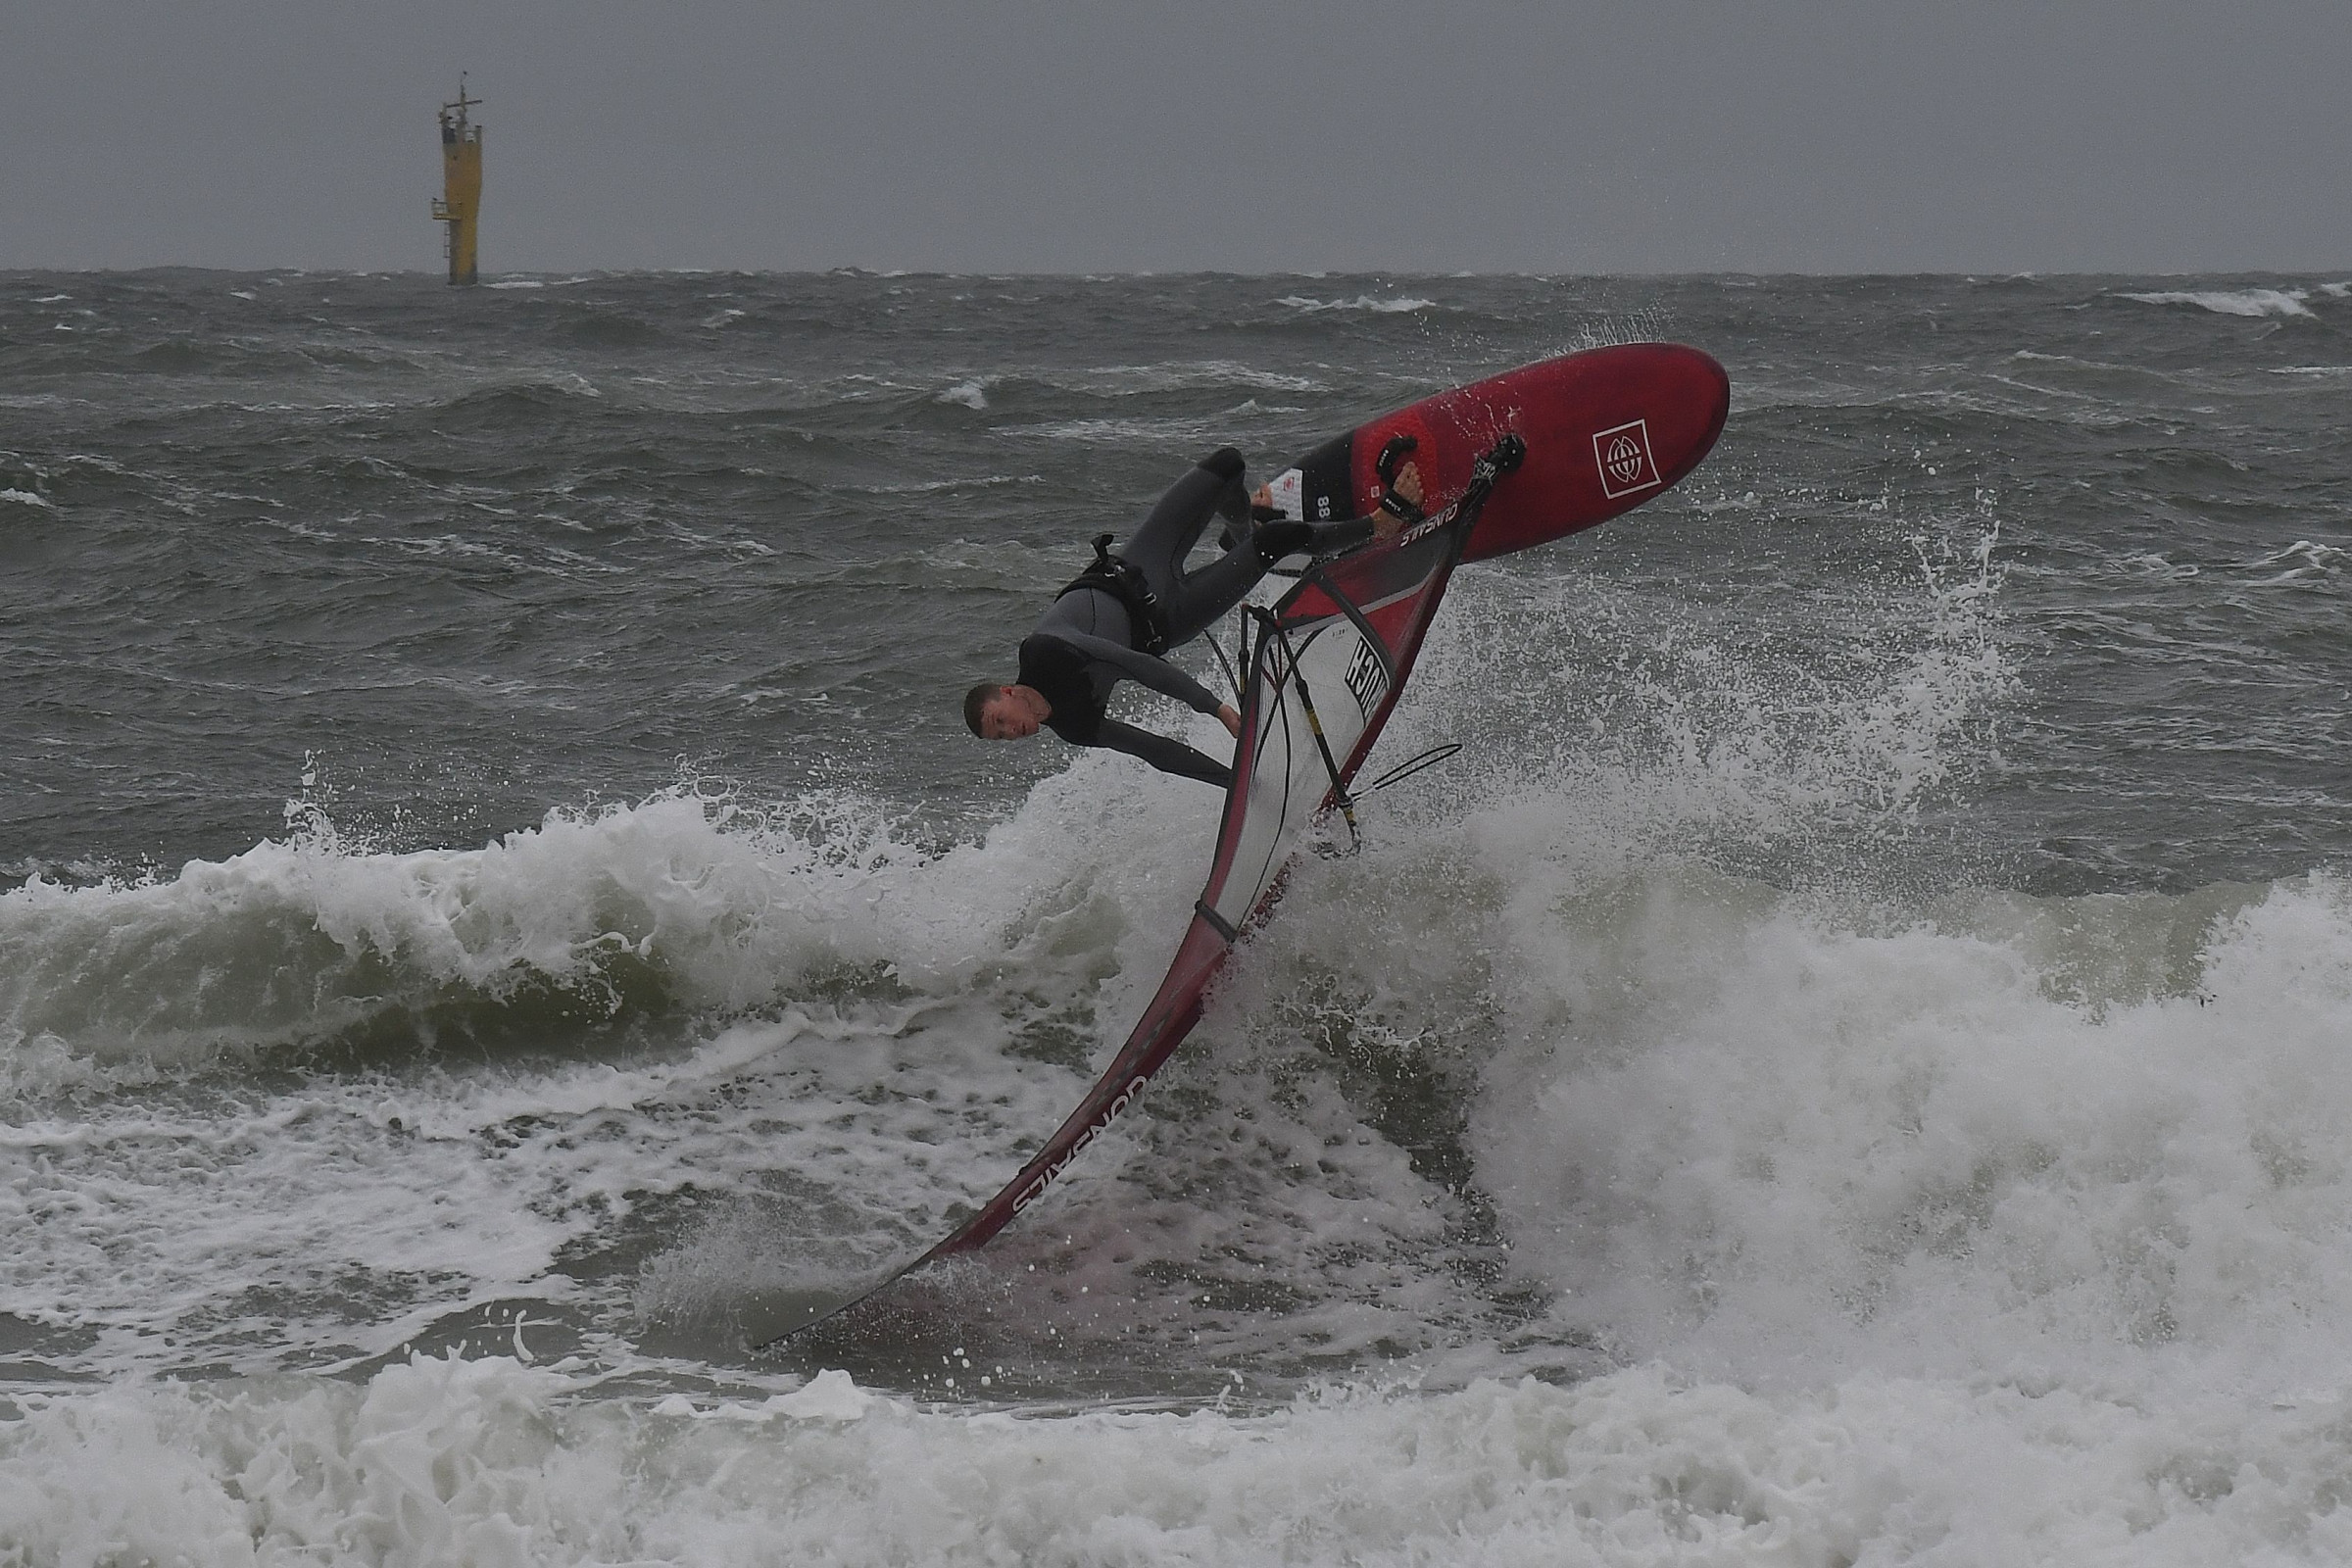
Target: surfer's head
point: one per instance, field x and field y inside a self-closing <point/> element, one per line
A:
<point x="994" y="712"/>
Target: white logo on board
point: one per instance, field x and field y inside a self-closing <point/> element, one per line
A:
<point x="1367" y="682"/>
<point x="1625" y="465"/>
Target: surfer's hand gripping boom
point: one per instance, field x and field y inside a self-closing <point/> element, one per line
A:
<point x="1503" y="457"/>
<point x="1400" y="490"/>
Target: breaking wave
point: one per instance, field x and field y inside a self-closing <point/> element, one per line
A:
<point x="1365" y="303"/>
<point x="496" y="1460"/>
<point x="2234" y="302"/>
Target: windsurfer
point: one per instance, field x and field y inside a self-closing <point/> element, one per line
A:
<point x="1128" y="608"/>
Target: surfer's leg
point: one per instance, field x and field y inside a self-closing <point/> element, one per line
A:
<point x="1198" y="598"/>
<point x="1157" y="547"/>
<point x="1194" y="602"/>
<point x="1190" y="601"/>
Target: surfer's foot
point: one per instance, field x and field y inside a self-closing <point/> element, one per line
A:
<point x="1387" y="525"/>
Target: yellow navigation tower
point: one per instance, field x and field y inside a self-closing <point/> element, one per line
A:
<point x="461" y="184"/>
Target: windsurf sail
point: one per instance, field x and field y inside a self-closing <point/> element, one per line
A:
<point x="1327" y="664"/>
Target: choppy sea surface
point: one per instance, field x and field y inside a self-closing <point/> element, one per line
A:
<point x="1852" y="1063"/>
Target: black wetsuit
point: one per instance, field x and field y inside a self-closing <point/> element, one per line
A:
<point x="1086" y="643"/>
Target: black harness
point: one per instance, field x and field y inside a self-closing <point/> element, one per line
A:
<point x="1124" y="581"/>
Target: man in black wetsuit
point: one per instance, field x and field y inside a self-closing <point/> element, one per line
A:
<point x="1128" y="608"/>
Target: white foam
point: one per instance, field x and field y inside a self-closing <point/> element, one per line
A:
<point x="926" y="487"/>
<point x="282" y="942"/>
<point x="2154" y="564"/>
<point x="225" y="1221"/>
<point x="1175" y="376"/>
<point x="971" y="394"/>
<point x="1164" y="431"/>
<point x="2301" y="563"/>
<point x="1788" y="1144"/>
<point x="1367" y="302"/>
<point x="2234" y="302"/>
<point x="490" y="1461"/>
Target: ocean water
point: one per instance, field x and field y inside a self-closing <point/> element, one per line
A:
<point x="1851" y="1063"/>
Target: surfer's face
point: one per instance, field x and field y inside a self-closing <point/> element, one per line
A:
<point x="1006" y="719"/>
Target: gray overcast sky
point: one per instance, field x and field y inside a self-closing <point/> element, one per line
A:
<point x="1673" y="135"/>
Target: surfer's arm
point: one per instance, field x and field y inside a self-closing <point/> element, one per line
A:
<point x="1169" y="757"/>
<point x="1331" y="538"/>
<point x="1158" y="673"/>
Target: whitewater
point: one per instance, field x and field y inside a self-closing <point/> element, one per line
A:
<point x="1848" y="1064"/>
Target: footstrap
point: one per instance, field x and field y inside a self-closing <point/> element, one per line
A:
<point x="1120" y="578"/>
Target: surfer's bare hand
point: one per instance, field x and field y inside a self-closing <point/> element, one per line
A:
<point x="1385" y="524"/>
<point x="1232" y="720"/>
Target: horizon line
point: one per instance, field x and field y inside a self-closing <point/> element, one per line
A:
<point x="1102" y="275"/>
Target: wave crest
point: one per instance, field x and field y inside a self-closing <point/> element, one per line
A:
<point x="2253" y="302"/>
<point x="681" y="901"/>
